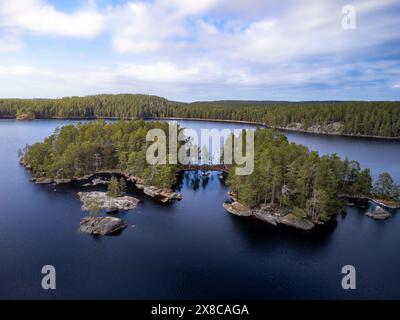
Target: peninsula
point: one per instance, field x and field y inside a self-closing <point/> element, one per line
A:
<point x="294" y="186"/>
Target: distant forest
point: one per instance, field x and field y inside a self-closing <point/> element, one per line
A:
<point x="380" y="119"/>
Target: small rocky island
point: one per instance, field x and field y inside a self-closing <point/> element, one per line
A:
<point x="101" y="226"/>
<point x="112" y="201"/>
<point x="379" y="213"/>
<point x="103" y="201"/>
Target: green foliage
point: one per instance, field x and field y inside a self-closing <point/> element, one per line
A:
<point x="292" y="177"/>
<point x="93" y="207"/>
<point x="122" y="186"/>
<point x="385" y="188"/>
<point x="23" y="114"/>
<point x="298" y="212"/>
<point x="160" y="175"/>
<point x="116" y="188"/>
<point x="354" y="117"/>
<point x="285" y="174"/>
<point x="75" y="151"/>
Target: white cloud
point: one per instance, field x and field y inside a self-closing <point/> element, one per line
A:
<point x="165" y="46"/>
<point x="306" y="29"/>
<point x="10" y="42"/>
<point x="140" y="27"/>
<point x="40" y="17"/>
<point x="201" y="79"/>
<point x="17" y="70"/>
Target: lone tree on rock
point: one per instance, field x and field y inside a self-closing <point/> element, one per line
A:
<point x="116" y="188"/>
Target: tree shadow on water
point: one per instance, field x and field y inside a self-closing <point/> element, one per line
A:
<point x="258" y="234"/>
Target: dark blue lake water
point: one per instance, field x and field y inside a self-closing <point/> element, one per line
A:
<point x="193" y="248"/>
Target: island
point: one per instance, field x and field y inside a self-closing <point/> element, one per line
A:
<point x="289" y="185"/>
<point x="102" y="200"/>
<point x="101" y="226"/>
<point x="294" y="186"/>
<point x="85" y="152"/>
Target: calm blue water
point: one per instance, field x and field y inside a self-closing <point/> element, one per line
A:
<point x="193" y="248"/>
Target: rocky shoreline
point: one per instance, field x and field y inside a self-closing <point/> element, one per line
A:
<point x="330" y="129"/>
<point x="379" y="213"/>
<point x="159" y="194"/>
<point x="162" y="195"/>
<point x="268" y="213"/>
<point x="275" y="216"/>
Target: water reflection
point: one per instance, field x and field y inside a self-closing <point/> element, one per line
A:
<point x="196" y="179"/>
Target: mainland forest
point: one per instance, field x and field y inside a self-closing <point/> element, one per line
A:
<point x="377" y="119"/>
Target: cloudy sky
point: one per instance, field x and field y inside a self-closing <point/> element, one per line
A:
<point x="201" y="50"/>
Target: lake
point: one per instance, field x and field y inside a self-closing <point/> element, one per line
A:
<point x="191" y="249"/>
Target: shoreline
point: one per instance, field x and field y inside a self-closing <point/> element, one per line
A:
<point x="267" y="213"/>
<point x="163" y="195"/>
<point x="278" y="128"/>
<point x="262" y="124"/>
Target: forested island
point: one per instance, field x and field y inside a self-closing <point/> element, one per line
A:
<point x="76" y="153"/>
<point x="353" y="118"/>
<point x="292" y="182"/>
<point x="289" y="184"/>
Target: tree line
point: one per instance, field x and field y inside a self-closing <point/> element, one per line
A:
<point x="381" y="119"/>
<point x="289" y="176"/>
<point x="78" y="150"/>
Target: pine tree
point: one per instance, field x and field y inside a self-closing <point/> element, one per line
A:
<point x="385" y="187"/>
<point x="116" y="188"/>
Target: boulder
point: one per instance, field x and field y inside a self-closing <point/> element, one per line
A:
<point x="96" y="182"/>
<point x="237" y="209"/>
<point x="151" y="191"/>
<point x="266" y="216"/>
<point x="99" y="181"/>
<point x="62" y="181"/>
<point x="44" y="181"/>
<point x="293" y="221"/>
<point x="167" y="196"/>
<point x="101" y="225"/>
<point x="104" y="201"/>
<point x="269" y="213"/>
<point x="379" y="213"/>
<point x="162" y="195"/>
